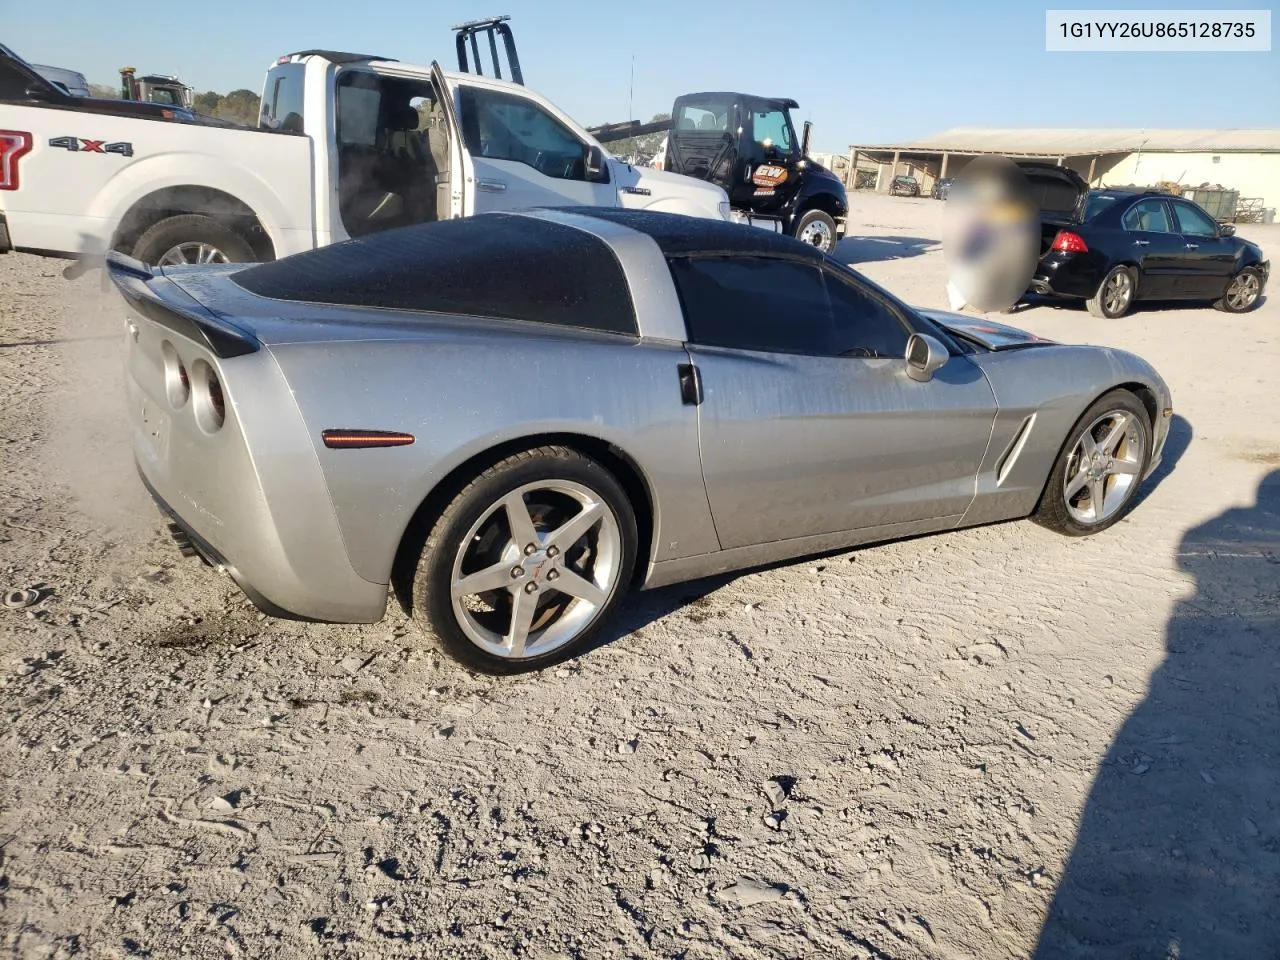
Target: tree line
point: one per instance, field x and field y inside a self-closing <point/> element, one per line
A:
<point x="238" y="106"/>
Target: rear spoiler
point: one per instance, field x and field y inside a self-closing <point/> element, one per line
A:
<point x="161" y="301"/>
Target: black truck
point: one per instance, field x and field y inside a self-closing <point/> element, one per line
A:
<point x="747" y="144"/>
<point x="743" y="143"/>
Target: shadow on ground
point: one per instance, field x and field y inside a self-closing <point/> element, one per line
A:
<point x="1178" y="852"/>
<point x="855" y="250"/>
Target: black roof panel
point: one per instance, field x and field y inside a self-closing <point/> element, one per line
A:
<point x="494" y="265"/>
<point x="681" y="236"/>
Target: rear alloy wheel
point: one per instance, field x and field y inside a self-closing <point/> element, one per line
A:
<point x="817" y="229"/>
<point x="1243" y="292"/>
<point x="1098" y="472"/>
<point x="191" y="238"/>
<point x="527" y="562"/>
<point x="1115" y="294"/>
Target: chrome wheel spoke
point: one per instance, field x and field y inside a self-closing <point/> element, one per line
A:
<point x="1108" y="445"/>
<point x="496" y="577"/>
<point x="566" y="536"/>
<point x="574" y="585"/>
<point x="1098" y="496"/>
<point x="1124" y="468"/>
<point x="523" y="531"/>
<point x="1088" y="445"/>
<point x="1077" y="483"/>
<point x="523" y="607"/>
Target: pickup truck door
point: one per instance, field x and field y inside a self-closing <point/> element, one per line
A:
<point x="461" y="196"/>
<point x="523" y="156"/>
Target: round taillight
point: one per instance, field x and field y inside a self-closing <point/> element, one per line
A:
<point x="206" y="393"/>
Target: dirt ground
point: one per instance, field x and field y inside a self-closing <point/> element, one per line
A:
<point x="994" y="743"/>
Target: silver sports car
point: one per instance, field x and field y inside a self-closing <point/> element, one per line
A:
<point x="515" y="418"/>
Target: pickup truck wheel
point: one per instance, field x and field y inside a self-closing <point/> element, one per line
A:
<point x="191" y="238"/>
<point x="527" y="563"/>
<point x="817" y="228"/>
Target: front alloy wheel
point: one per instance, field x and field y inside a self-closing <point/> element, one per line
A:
<point x="1243" y="292"/>
<point x="1104" y="467"/>
<point x="1096" y="477"/>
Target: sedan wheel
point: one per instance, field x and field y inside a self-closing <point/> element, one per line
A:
<point x="1243" y="293"/>
<point x="1115" y="294"/>
<point x="527" y="562"/>
<point x="1100" y="467"/>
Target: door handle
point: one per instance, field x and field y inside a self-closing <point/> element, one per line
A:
<point x="1193" y="246"/>
<point x="491" y="186"/>
<point x="1142" y="243"/>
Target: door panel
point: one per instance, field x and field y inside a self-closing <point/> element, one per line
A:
<point x="1151" y="239"/>
<point x="1209" y="259"/>
<point x="522" y="156"/>
<point x="797" y="446"/>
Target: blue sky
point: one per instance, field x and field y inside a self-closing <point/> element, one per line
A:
<point x="870" y="72"/>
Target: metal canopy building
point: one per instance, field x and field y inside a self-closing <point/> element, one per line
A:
<point x="1243" y="160"/>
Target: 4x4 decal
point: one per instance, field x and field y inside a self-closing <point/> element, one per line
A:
<point x="81" y="145"/>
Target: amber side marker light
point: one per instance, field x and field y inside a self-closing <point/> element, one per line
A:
<point x="357" y="439"/>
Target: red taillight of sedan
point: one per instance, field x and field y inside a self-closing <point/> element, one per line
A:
<point x="1068" y="242"/>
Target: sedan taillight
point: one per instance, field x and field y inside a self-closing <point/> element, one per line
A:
<point x="14" y="145"/>
<point x="1068" y="242"/>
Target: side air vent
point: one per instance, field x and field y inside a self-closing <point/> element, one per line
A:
<point x="1014" y="450"/>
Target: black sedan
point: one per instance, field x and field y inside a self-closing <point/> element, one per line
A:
<point x="1121" y="246"/>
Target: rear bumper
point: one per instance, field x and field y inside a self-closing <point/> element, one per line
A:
<point x="365" y="603"/>
<point x="1066" y="275"/>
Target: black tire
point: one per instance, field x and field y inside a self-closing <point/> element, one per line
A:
<point x="1104" y="306"/>
<point x="431" y="602"/>
<point x="825" y="225"/>
<point x="1052" y="511"/>
<point x="1236" y="300"/>
<point x="192" y="228"/>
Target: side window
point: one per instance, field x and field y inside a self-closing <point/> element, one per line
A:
<point x="864" y="325"/>
<point x="754" y="303"/>
<point x="359" y="100"/>
<point x="1151" y="216"/>
<point x="770" y="131"/>
<point x="282" y="102"/>
<point x="500" y="126"/>
<point x="1194" y="222"/>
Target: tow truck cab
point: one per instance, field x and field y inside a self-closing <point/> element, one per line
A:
<point x="748" y="145"/>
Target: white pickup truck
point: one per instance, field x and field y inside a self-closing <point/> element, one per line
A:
<point x="346" y="145"/>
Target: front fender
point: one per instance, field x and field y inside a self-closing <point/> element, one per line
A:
<point x="1041" y="391"/>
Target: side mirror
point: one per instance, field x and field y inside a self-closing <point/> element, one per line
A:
<point x="597" y="166"/>
<point x="1227" y="230"/>
<point x="804" y="138"/>
<point x="925" y="357"/>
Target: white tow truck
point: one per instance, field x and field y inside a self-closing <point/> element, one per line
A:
<point x="347" y="144"/>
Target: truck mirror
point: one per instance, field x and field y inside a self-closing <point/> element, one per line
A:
<point x="804" y="138"/>
<point x="597" y="166"/>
